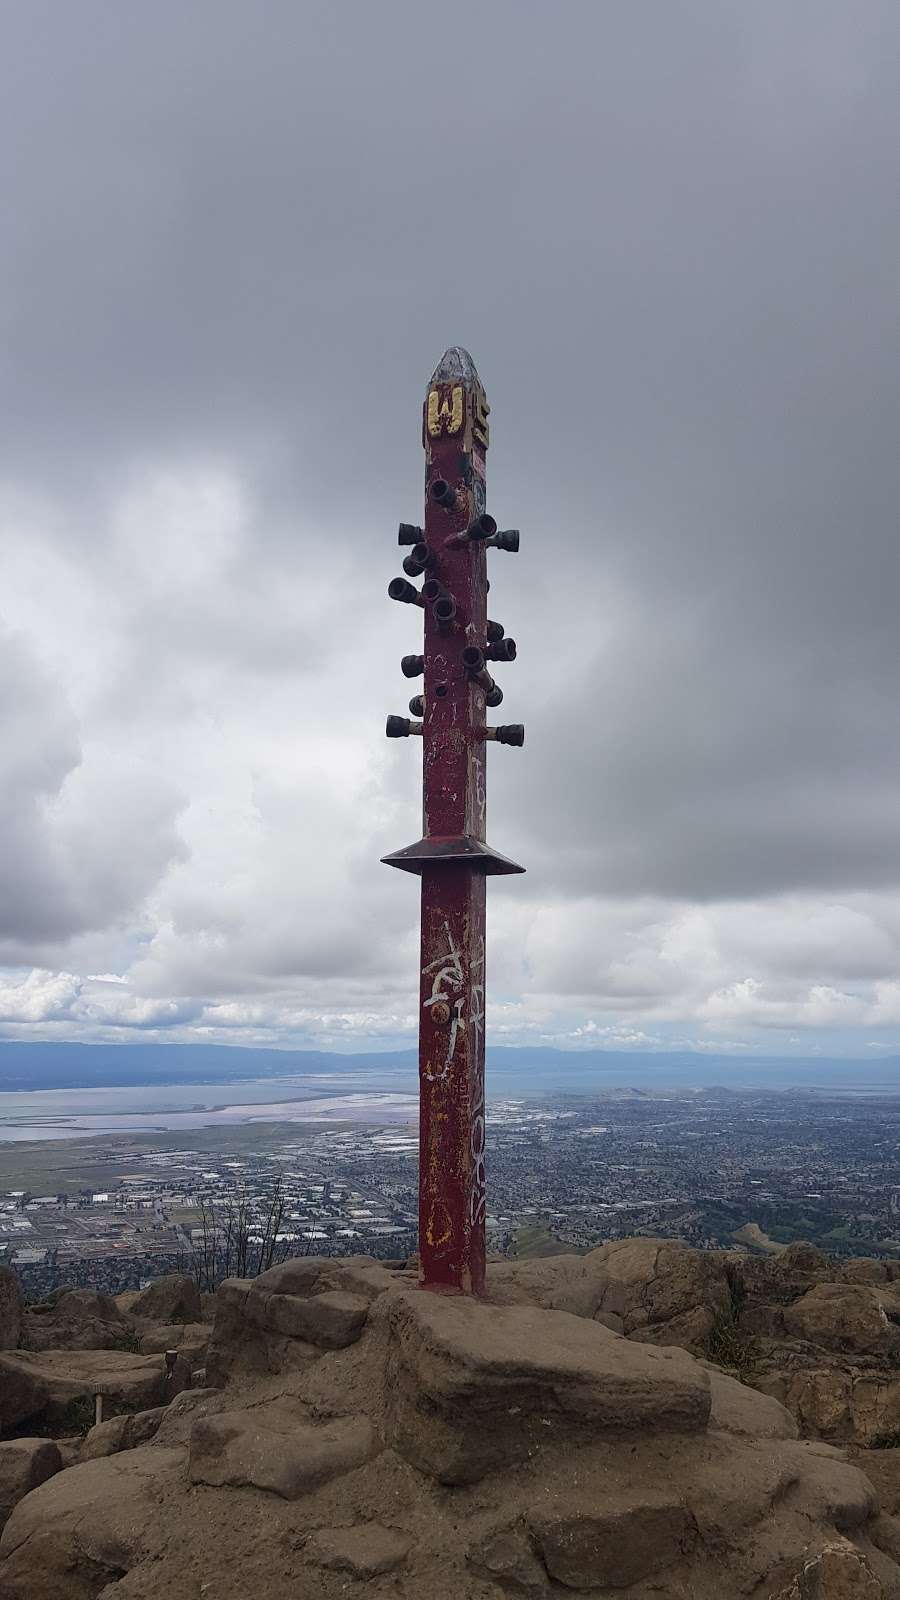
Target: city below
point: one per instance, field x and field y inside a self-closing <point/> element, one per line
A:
<point x="718" y="1168"/>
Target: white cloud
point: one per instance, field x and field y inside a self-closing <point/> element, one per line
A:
<point x="38" y="996"/>
<point x="212" y="428"/>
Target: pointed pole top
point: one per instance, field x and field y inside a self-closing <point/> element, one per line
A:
<point x="456" y="366"/>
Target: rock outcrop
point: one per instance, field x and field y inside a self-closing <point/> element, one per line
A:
<point x="74" y="1319"/>
<point x="57" y="1387"/>
<point x="367" y="1437"/>
<point x="820" y="1336"/>
<point x="174" y="1299"/>
<point x="287" y="1316"/>
<point x="472" y="1386"/>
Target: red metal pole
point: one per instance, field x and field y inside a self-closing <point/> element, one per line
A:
<point x="453" y="857"/>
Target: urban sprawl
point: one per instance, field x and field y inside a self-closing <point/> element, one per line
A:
<point x="716" y="1168"/>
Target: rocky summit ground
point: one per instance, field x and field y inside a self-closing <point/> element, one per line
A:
<point x="329" y="1428"/>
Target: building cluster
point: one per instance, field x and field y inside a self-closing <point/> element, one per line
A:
<point x="716" y="1168"/>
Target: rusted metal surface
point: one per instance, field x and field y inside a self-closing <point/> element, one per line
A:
<point x="453" y="857"/>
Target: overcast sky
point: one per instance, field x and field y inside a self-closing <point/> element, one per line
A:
<point x="235" y="239"/>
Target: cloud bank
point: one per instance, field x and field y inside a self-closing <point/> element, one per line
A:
<point x="669" y="239"/>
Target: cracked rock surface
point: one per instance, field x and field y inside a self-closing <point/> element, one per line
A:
<point x="388" y="1442"/>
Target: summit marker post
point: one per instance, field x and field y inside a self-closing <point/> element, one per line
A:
<point x="453" y="859"/>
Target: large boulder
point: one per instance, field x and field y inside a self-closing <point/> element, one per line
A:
<point x="654" y="1290"/>
<point x="843" y="1317"/>
<point x="867" y="1269"/>
<point x="664" y="1292"/>
<point x="10" y="1310"/>
<point x="190" y="1339"/>
<point x="166" y="1425"/>
<point x="58" y="1386"/>
<point x="470" y="1384"/>
<point x="286" y="1317"/>
<point x="84" y="1528"/>
<point x="175" y="1298"/>
<point x="842" y="1404"/>
<point x="76" y="1319"/>
<point x="24" y="1464"/>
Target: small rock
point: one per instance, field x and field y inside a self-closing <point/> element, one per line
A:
<point x="884" y="1532"/>
<point x="331" y="1321"/>
<point x="122" y="1433"/>
<point x="738" y="1409"/>
<point x="105" y="1439"/>
<point x="830" y="1490"/>
<point x="506" y="1555"/>
<point x="363" y="1551"/>
<point x="190" y="1340"/>
<point x="608" y="1319"/>
<point x="274" y="1451"/>
<point x="613" y="1545"/>
<point x="178" y="1418"/>
<point x="838" y="1572"/>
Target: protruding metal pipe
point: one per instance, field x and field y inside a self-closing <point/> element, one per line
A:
<point x="418" y="559"/>
<point x="409" y="533"/>
<point x="417" y="705"/>
<point x="401" y="589"/>
<point x="503" y="650"/>
<point x="432" y="589"/>
<point x="473" y="663"/>
<point x="508" y="539"/>
<point x="443" y="493"/>
<point x="444" y="610"/>
<point x="481" y="531"/>
<point x="484" y="527"/>
<point x="495" y="631"/>
<point x="401" y="727"/>
<point x="494" y="697"/>
<point x="412" y="666"/>
<point x="507" y="733"/>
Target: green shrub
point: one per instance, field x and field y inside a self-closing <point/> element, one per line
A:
<point x="78" y="1416"/>
<point x="127" y="1340"/>
<point x="731" y="1349"/>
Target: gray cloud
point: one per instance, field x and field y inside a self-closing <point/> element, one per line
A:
<point x="239" y="242"/>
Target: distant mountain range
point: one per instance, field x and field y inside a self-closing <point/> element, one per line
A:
<point x="526" y="1069"/>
